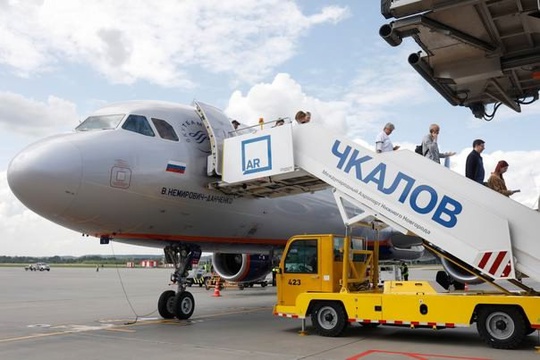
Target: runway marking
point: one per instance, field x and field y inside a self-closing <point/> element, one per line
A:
<point x="73" y="329"/>
<point x="121" y="330"/>
<point x="418" y="356"/>
<point x="35" y="336"/>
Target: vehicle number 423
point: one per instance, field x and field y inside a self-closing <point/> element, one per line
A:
<point x="295" y="282"/>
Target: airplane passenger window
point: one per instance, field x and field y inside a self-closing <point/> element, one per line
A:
<point x="100" y="122"/>
<point x="138" y="124"/>
<point x="165" y="130"/>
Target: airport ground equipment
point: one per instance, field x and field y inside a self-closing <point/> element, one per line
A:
<point x="331" y="279"/>
<point x="477" y="230"/>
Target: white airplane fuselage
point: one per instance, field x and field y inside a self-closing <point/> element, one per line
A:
<point x="132" y="187"/>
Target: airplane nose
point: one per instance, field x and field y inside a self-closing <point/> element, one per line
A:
<point x="46" y="176"/>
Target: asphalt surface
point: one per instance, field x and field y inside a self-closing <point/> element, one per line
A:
<point x="111" y="314"/>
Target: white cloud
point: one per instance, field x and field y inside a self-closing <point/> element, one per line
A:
<point x="122" y="41"/>
<point x="27" y="116"/>
<point x="283" y="98"/>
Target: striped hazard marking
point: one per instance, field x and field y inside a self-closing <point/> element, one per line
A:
<point x="496" y="263"/>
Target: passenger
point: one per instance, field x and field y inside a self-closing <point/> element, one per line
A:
<point x="279" y="122"/>
<point x="382" y="141"/>
<point x="496" y="180"/>
<point x="474" y="167"/>
<point x="300" y="117"/>
<point x="430" y="147"/>
<point x="239" y="129"/>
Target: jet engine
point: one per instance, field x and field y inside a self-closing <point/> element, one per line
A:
<point x="455" y="275"/>
<point x="242" y="267"/>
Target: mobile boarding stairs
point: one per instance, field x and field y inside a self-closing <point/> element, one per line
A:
<point x="474" y="227"/>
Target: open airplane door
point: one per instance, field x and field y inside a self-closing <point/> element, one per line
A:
<point x="218" y="126"/>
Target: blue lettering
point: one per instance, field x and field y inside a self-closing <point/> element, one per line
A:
<point x="253" y="164"/>
<point x="442" y="209"/>
<point x="342" y="156"/>
<point x="377" y="176"/>
<point x="354" y="161"/>
<point x="414" y="197"/>
<point x="409" y="184"/>
<point x="423" y="199"/>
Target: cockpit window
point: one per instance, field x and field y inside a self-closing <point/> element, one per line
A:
<point x="138" y="124"/>
<point x="165" y="130"/>
<point x="100" y="122"/>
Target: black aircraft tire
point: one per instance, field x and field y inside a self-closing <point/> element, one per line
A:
<point x="329" y="319"/>
<point x="501" y="327"/>
<point x="166" y="304"/>
<point x="184" y="304"/>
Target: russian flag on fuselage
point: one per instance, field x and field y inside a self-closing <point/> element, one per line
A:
<point x="176" y="167"/>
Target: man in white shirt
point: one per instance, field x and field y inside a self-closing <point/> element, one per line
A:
<point x="382" y="141"/>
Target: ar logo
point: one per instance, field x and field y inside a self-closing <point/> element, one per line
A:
<point x="256" y="155"/>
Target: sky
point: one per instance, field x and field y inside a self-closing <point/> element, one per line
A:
<point x="61" y="60"/>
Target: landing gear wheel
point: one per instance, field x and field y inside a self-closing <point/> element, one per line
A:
<point x="329" y="319"/>
<point x="166" y="304"/>
<point x="184" y="305"/>
<point x="501" y="327"/>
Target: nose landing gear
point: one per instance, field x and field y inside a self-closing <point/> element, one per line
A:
<point x="179" y="304"/>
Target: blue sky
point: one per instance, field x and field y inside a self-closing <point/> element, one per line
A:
<point x="61" y="60"/>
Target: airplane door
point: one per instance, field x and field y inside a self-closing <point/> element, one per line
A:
<point x="218" y="126"/>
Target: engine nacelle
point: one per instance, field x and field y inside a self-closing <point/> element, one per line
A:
<point x="242" y="267"/>
<point x="459" y="274"/>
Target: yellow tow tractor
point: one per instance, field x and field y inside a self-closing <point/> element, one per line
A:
<point x="331" y="279"/>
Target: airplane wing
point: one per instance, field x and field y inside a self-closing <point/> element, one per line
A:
<point x="473" y="52"/>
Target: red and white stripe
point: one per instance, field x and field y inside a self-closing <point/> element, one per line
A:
<point x="292" y="316"/>
<point x="496" y="263"/>
<point x="409" y="323"/>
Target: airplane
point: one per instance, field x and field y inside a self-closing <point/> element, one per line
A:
<point x="473" y="52"/>
<point x="147" y="173"/>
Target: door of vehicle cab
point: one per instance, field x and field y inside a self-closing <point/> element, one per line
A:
<point x="299" y="269"/>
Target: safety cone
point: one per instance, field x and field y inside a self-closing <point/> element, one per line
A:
<point x="216" y="289"/>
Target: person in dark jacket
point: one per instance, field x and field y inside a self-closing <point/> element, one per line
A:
<point x="474" y="167"/>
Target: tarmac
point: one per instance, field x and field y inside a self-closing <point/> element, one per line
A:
<point x="70" y="313"/>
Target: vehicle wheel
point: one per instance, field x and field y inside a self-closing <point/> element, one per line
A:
<point x="501" y="327"/>
<point x="329" y="319"/>
<point x="166" y="304"/>
<point x="241" y="286"/>
<point x="264" y="283"/>
<point x="184" y="305"/>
